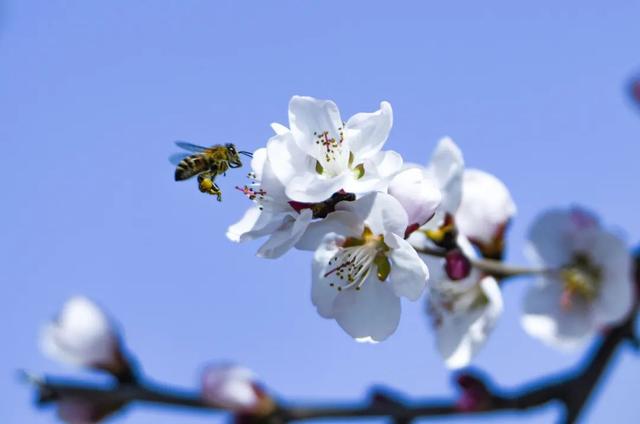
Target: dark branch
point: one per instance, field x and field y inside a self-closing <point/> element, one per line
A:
<point x="572" y="389"/>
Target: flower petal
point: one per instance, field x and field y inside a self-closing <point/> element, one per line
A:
<point x="311" y="189"/>
<point x="343" y="223"/>
<point x="323" y="295"/>
<point x="418" y="195"/>
<point x="615" y="300"/>
<point x="409" y="273"/>
<point x="485" y="207"/>
<point x="309" y="118"/>
<point x="373" y="311"/>
<point x="381" y="212"/>
<point x="286" y="237"/>
<point x="446" y="167"/>
<point x="544" y="317"/>
<point x="461" y="334"/>
<point x="550" y="241"/>
<point x="366" y="133"/>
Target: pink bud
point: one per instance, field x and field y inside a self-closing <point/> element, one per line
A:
<point x="418" y="195"/>
<point x="474" y="394"/>
<point x="457" y="265"/>
<point x="234" y="388"/>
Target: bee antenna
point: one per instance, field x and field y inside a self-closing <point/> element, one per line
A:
<point x="242" y="152"/>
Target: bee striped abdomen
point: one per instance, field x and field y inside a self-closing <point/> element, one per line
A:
<point x="191" y="166"/>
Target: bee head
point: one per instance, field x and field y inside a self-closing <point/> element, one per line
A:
<point x="232" y="156"/>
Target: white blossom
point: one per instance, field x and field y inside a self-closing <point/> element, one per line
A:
<point x="83" y="335"/>
<point x="327" y="155"/>
<point x="363" y="265"/>
<point x="272" y="215"/>
<point x="463" y="312"/>
<point x="589" y="283"/>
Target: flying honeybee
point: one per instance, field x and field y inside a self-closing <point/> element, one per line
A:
<point x="206" y="163"/>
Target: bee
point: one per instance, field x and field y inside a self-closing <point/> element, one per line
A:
<point x="206" y="163"/>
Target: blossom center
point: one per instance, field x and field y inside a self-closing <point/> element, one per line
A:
<point x="333" y="148"/>
<point x="355" y="259"/>
<point x="581" y="278"/>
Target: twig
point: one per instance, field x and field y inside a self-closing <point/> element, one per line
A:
<point x="490" y="266"/>
<point x="572" y="389"/>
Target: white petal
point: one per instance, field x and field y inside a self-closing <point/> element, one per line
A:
<point x="550" y="239"/>
<point x="310" y="188"/>
<point x="309" y="118"/>
<point x="257" y="162"/>
<point x="342" y="223"/>
<point x="545" y="318"/>
<point x="485" y="207"/>
<point x="418" y="195"/>
<point x="255" y="223"/>
<point x="615" y="299"/>
<point x="323" y="295"/>
<point x="384" y="164"/>
<point x="373" y="311"/>
<point x="380" y="211"/>
<point x="230" y="387"/>
<point x="446" y="167"/>
<point x="366" y="133"/>
<point x="460" y="335"/>
<point x="409" y="274"/>
<point x="279" y="129"/>
<point x="82" y="335"/>
<point x="286" y="158"/>
<point x="286" y="237"/>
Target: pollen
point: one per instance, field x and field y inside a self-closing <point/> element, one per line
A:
<point x="355" y="260"/>
<point x="582" y="280"/>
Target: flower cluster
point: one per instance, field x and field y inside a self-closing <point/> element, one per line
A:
<point x="382" y="230"/>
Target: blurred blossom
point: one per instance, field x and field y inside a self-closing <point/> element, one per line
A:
<point x="82" y="411"/>
<point x="464" y="312"/>
<point x="363" y="265"/>
<point x="83" y="335"/>
<point x="272" y="215"/>
<point x="589" y="282"/>
<point x="418" y="195"/>
<point x="485" y="210"/>
<point x="324" y="155"/>
<point x="234" y="388"/>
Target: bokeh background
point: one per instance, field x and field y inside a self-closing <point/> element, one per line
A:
<point x="93" y="94"/>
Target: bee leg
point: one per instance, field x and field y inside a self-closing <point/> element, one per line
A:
<point x="205" y="183"/>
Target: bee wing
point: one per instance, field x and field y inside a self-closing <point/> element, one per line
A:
<point x="176" y="158"/>
<point x="190" y="147"/>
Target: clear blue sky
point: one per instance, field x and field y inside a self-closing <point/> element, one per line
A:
<point x="92" y="95"/>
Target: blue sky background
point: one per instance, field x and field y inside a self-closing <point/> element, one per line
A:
<point x="92" y="95"/>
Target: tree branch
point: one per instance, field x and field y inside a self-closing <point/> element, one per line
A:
<point x="572" y="389"/>
<point x="492" y="267"/>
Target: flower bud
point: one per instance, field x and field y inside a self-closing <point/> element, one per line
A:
<point x="457" y="265"/>
<point x="234" y="388"/>
<point x="82" y="411"/>
<point x="418" y="195"/>
<point x="474" y="394"/>
<point x="83" y="335"/>
<point x="485" y="211"/>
